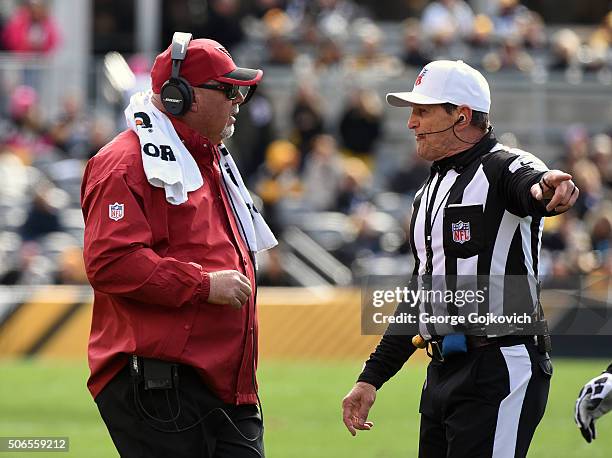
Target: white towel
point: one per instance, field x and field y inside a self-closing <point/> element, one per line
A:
<point x="167" y="164"/>
<point x="176" y="170"/>
<point x="258" y="234"/>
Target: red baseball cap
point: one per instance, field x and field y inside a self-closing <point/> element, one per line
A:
<point x="205" y="60"/>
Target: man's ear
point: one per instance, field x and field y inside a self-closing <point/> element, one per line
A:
<point x="465" y="116"/>
<point x="196" y="101"/>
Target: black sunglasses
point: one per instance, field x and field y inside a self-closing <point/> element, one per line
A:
<point x="231" y="91"/>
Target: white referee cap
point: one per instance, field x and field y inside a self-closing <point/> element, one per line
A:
<point x="443" y="81"/>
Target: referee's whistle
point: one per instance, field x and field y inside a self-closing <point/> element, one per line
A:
<point x="418" y="341"/>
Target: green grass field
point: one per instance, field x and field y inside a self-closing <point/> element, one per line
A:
<point x="301" y="408"/>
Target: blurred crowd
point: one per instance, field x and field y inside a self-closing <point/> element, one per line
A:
<point x="322" y="174"/>
<point x="502" y="35"/>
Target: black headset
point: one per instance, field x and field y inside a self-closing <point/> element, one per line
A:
<point x="176" y="93"/>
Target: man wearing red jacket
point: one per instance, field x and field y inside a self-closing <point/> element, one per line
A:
<point x="173" y="344"/>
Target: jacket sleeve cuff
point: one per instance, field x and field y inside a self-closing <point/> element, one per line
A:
<point x="203" y="289"/>
<point x="205" y="286"/>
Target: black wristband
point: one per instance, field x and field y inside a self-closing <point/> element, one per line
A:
<point x="547" y="185"/>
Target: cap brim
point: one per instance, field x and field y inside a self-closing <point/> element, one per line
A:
<point x="242" y="76"/>
<point x="406" y="99"/>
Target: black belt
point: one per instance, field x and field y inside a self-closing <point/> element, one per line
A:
<point x="474" y="342"/>
<point x="434" y="347"/>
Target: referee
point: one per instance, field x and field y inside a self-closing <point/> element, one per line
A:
<point x="483" y="396"/>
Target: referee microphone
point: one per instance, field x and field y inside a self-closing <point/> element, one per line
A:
<point x="461" y="118"/>
<point x="452" y="126"/>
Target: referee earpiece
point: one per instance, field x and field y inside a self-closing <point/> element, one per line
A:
<point x="176" y="93"/>
<point x="461" y="119"/>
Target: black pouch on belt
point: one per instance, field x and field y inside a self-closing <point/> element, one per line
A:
<point x="156" y="374"/>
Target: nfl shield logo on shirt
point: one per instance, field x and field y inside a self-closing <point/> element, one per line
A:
<point x="461" y="232"/>
<point x="115" y="211"/>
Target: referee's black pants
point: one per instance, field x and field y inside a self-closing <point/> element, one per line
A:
<point x="485" y="403"/>
<point x="218" y="430"/>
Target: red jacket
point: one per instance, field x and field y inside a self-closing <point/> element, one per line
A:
<point x="148" y="261"/>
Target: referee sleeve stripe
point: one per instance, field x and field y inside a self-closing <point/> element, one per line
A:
<point x="519" y="372"/>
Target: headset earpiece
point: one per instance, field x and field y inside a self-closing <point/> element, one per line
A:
<point x="461" y="119"/>
<point x="177" y="94"/>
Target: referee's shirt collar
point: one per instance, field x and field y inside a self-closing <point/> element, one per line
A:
<point x="461" y="160"/>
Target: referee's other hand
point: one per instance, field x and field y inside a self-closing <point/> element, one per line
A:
<point x="356" y="406"/>
<point x="559" y="188"/>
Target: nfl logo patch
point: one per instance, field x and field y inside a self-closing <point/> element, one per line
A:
<point x="115" y="211"/>
<point x="461" y="232"/>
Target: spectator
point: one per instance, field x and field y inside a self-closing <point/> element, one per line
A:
<point x="510" y="19"/>
<point x="566" y="246"/>
<point x="261" y="7"/>
<point x="510" y="57"/>
<point x="576" y="139"/>
<point x="223" y="23"/>
<point x="323" y="174"/>
<point x="483" y="32"/>
<point x="600" y="43"/>
<point x="565" y="47"/>
<point x="588" y="179"/>
<point x="367" y="240"/>
<point x="278" y="180"/>
<point x="601" y="154"/>
<point x="70" y="131"/>
<point x="410" y="176"/>
<point x="271" y="272"/>
<point x="333" y="17"/>
<point x="413" y="52"/>
<point x="30" y="268"/>
<point x="534" y="35"/>
<point x="16" y="179"/>
<point x="28" y="134"/>
<point x="556" y="231"/>
<point x="355" y="188"/>
<point x="31" y="29"/>
<point x="370" y="60"/>
<point x="329" y="54"/>
<point x="307" y="117"/>
<point x="280" y="50"/>
<point x="276" y="26"/>
<point x="361" y="124"/>
<point x="446" y="21"/>
<point x="599" y="223"/>
<point x="43" y="216"/>
<point x="100" y="133"/>
<point x="277" y="22"/>
<point x="254" y="132"/>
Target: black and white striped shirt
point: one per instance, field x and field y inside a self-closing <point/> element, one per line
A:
<point x="474" y="216"/>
